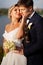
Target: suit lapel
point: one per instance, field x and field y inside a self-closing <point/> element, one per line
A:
<point x="33" y="18"/>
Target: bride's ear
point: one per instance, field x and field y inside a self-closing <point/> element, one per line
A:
<point x="11" y="14"/>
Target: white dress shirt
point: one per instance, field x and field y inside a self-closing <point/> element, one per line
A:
<point x="30" y="16"/>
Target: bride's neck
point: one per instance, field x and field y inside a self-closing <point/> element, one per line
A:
<point x="14" y="21"/>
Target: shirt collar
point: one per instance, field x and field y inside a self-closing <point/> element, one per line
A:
<point x="31" y="15"/>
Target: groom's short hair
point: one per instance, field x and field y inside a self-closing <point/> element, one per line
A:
<point x="25" y="3"/>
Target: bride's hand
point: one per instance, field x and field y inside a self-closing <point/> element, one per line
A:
<point x="24" y="16"/>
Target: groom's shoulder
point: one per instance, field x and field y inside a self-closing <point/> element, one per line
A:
<point x="38" y="15"/>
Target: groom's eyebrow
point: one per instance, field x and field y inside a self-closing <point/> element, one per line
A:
<point x="22" y="8"/>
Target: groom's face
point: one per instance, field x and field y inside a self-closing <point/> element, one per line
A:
<point x="24" y="11"/>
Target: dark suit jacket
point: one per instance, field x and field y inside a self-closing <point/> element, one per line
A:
<point x="34" y="50"/>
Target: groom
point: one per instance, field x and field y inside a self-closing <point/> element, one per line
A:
<point x="33" y="50"/>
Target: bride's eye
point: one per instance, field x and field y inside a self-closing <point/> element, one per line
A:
<point x="15" y="9"/>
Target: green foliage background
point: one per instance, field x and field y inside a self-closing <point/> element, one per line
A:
<point x="5" y="11"/>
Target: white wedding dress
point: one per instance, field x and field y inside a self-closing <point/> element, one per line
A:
<point x="12" y="58"/>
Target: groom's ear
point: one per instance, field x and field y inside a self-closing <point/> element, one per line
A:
<point x="30" y="8"/>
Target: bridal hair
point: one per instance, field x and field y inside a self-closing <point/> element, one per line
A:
<point x="10" y="10"/>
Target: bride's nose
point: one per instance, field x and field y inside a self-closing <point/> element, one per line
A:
<point x="18" y="11"/>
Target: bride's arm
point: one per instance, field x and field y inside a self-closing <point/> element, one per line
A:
<point x="5" y="49"/>
<point x="20" y="33"/>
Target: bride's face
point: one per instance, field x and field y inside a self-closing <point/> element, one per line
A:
<point x="16" y="12"/>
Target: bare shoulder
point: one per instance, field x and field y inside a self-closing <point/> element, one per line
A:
<point x="7" y="27"/>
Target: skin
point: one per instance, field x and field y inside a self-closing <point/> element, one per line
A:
<point x="25" y="12"/>
<point x="15" y="16"/>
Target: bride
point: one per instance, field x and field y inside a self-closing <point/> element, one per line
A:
<point x="13" y="36"/>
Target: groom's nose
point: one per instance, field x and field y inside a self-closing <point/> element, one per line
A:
<point x="21" y="12"/>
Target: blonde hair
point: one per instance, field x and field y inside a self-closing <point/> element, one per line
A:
<point x="10" y="10"/>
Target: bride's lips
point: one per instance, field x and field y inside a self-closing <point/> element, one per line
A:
<point x="22" y="14"/>
<point x="19" y="14"/>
